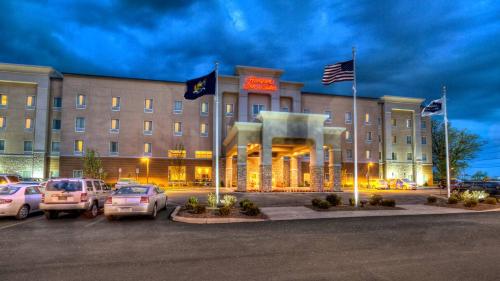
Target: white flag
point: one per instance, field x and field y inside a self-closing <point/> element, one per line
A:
<point x="433" y="108"/>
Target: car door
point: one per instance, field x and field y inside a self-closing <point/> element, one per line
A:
<point x="32" y="197"/>
<point x="99" y="194"/>
<point x="161" y="198"/>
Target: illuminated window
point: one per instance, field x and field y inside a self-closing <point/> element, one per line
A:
<point x="348" y="118"/>
<point x="148" y="105"/>
<point x="229" y="109"/>
<point x="113" y="148"/>
<point x="203" y="173"/>
<point x="55" y="147"/>
<point x="257" y="108"/>
<point x="177" y="153"/>
<point x="367" y="118"/>
<point x="177" y="106"/>
<point x="349" y="153"/>
<point x="81" y="101"/>
<point x="2" y="146"/>
<point x="409" y="156"/>
<point x="348" y="136"/>
<point x="368" y="136"/>
<point x="56" y="124"/>
<point x="204" y="130"/>
<point x="78" y="148"/>
<point x="329" y="119"/>
<point x="424" y="140"/>
<point x="3" y="122"/>
<point x="177" y="129"/>
<point x="30" y="102"/>
<point x="80" y="124"/>
<point x="28" y="123"/>
<point x="147" y="149"/>
<point x="115" y="125"/>
<point x="408" y="139"/>
<point x="57" y="102"/>
<point x="204" y="109"/>
<point x="3" y="100"/>
<point x="203" y="154"/>
<point x="408" y="123"/>
<point x="177" y="173"/>
<point x="115" y="103"/>
<point x="368" y="154"/>
<point x="148" y="127"/>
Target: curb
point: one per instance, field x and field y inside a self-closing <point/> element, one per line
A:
<point x="178" y="218"/>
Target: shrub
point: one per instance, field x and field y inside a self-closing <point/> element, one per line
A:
<point x="431" y="199"/>
<point x="224" y="211"/>
<point x="456" y="194"/>
<point x="212" y="200"/>
<point x="351" y="201"/>
<point x="334" y="199"/>
<point x="191" y="203"/>
<point x="199" y="209"/>
<point x="315" y="202"/>
<point x="388" y="203"/>
<point x="453" y="199"/>
<point x="228" y="200"/>
<point x="363" y="202"/>
<point x="323" y="204"/>
<point x="470" y="202"/>
<point x="490" y="200"/>
<point x="252" y="209"/>
<point x="479" y="195"/>
<point x="375" y="200"/>
<point x="243" y="202"/>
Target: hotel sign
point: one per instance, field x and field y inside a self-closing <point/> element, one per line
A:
<point x="259" y="84"/>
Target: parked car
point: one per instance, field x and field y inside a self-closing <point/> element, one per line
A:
<point x="135" y="200"/>
<point x="124" y="182"/>
<point x="402" y="184"/>
<point x="19" y="200"/>
<point x="490" y="187"/>
<point x="74" y="195"/>
<point x="454" y="183"/>
<point x="379" y="184"/>
<point x="6" y="179"/>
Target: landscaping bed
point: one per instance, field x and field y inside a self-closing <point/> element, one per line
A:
<point x="475" y="201"/>
<point x="352" y="208"/>
<point x="333" y="202"/>
<point x="234" y="213"/>
<point x="478" y="207"/>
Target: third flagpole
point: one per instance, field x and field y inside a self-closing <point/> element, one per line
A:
<point x="217" y="142"/>
<point x="355" y="120"/>
<point x="446" y="141"/>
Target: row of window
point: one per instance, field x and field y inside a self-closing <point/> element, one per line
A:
<point x="29" y="104"/>
<point x="28" y="146"/>
<point x="368" y="155"/>
<point x="409" y="140"/>
<point x="409" y="156"/>
<point x="28" y="123"/>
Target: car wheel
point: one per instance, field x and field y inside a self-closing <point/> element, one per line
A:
<point x="93" y="212"/>
<point x="50" y="215"/>
<point x="23" y="212"/>
<point x="155" y="212"/>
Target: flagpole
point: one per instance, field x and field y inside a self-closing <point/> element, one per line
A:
<point x="446" y="141"/>
<point x="355" y="120"/>
<point x="217" y="142"/>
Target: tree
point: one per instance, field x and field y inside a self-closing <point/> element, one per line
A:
<point x="92" y="165"/>
<point x="479" y="176"/>
<point x="463" y="147"/>
<point x="177" y="166"/>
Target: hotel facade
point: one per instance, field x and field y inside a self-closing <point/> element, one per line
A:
<point x="272" y="134"/>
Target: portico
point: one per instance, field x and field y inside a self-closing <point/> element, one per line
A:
<point x="269" y="153"/>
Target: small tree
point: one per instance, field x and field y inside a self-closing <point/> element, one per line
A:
<point x="480" y="176"/>
<point x="92" y="165"/>
<point x="177" y="162"/>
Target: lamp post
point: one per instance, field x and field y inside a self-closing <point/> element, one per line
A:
<point x="147" y="168"/>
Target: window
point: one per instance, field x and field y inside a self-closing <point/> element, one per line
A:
<point x="177" y="129"/>
<point x="394" y="140"/>
<point x="285" y="109"/>
<point x="306" y="110"/>
<point x="257" y="108"/>
<point x="113" y="148"/>
<point x="78" y="148"/>
<point x="115" y="103"/>
<point x="348" y="117"/>
<point x="204" y="109"/>
<point x="424" y="140"/>
<point x="56" y="124"/>
<point x="394" y="156"/>
<point x="28" y="146"/>
<point x="30" y="102"/>
<point x="3" y="122"/>
<point x="177" y="106"/>
<point x="148" y="127"/>
<point x="367" y="118"/>
<point x="3" y="100"/>
<point x="28" y="123"/>
<point x="202" y="173"/>
<point x="81" y="101"/>
<point x="177" y="173"/>
<point x="147" y="149"/>
<point x="54" y="147"/>
<point x="115" y="125"/>
<point x="409" y="156"/>
<point x="379" y="138"/>
<point x="148" y="105"/>
<point x="369" y="136"/>
<point x="229" y="109"/>
<point x="329" y="119"/>
<point x="57" y="102"/>
<point x="2" y="146"/>
<point x="77" y="174"/>
<point x="348" y="136"/>
<point x="368" y="154"/>
<point x="408" y="139"/>
<point x="349" y="154"/>
<point x="424" y="157"/>
<point x="204" y="129"/>
<point x="408" y="123"/>
<point x="80" y="124"/>
<point x="423" y="124"/>
<point x="203" y="154"/>
<point x="393" y="122"/>
<point x="173" y="153"/>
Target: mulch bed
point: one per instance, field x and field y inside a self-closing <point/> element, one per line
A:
<point x="460" y="205"/>
<point x="367" y="207"/>
<point x="211" y="213"/>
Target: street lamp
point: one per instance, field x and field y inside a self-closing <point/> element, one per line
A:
<point x="147" y="168"/>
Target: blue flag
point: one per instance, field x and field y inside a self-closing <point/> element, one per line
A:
<point x="201" y="86"/>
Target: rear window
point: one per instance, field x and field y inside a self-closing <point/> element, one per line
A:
<point x="13" y="178"/>
<point x="132" y="190"/>
<point x="8" y="190"/>
<point x="64" y="186"/>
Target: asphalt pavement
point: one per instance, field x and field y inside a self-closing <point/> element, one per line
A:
<point x="433" y="247"/>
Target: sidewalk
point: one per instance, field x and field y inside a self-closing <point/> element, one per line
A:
<point x="302" y="213"/>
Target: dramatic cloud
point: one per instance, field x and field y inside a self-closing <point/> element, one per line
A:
<point x="405" y="48"/>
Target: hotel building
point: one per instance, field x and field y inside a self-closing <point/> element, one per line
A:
<point x="273" y="134"/>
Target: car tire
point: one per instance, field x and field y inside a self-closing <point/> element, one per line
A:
<point x="50" y="215"/>
<point x="154" y="213"/>
<point x="23" y="212"/>
<point x="92" y="212"/>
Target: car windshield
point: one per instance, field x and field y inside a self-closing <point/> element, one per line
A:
<point x="8" y="190"/>
<point x="132" y="190"/>
<point x="64" y="185"/>
<point x="13" y="178"/>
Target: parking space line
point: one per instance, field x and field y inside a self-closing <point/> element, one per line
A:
<point x="94" y="222"/>
<point x="22" y="222"/>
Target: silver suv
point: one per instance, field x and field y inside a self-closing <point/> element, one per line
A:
<point x="74" y="195"/>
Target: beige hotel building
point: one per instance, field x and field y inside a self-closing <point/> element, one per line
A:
<point x="273" y="134"/>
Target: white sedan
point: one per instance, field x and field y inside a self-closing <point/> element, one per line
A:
<point x="19" y="200"/>
<point x="135" y="200"/>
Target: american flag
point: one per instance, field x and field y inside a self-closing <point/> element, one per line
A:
<point x="342" y="71"/>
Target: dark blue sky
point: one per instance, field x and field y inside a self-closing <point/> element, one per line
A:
<point x="404" y="47"/>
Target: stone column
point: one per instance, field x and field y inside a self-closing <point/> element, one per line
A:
<point x="242" y="168"/>
<point x="266" y="172"/>
<point x="229" y="171"/>
<point x="286" y="171"/>
<point x="331" y="171"/>
<point x="294" y="171"/>
<point x="234" y="180"/>
<point x="316" y="168"/>
<point x="337" y="166"/>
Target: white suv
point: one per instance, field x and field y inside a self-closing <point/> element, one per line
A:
<point x="74" y="195"/>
